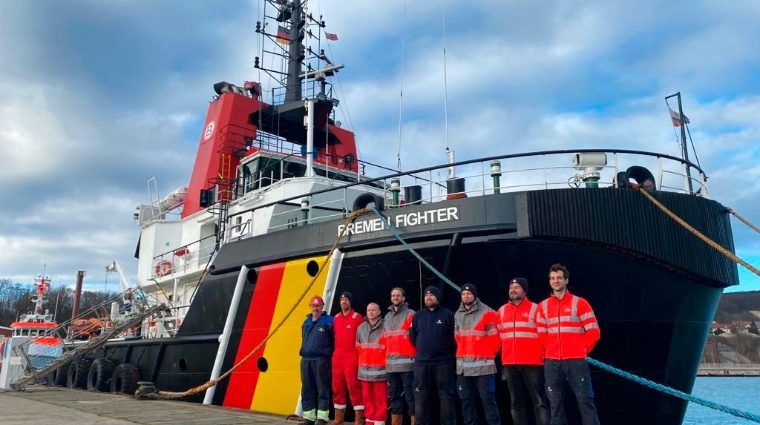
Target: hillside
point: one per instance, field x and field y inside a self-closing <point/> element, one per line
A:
<point x="736" y="306"/>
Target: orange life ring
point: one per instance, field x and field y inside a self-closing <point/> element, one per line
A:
<point x="163" y="268"/>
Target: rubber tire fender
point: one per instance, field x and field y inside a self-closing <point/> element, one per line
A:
<point x="124" y="379"/>
<point x="60" y="376"/>
<point x="99" y="375"/>
<point x="78" y="371"/>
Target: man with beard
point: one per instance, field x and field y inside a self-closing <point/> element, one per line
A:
<point x="371" y="344"/>
<point x="316" y="349"/>
<point x="432" y="334"/>
<point x="345" y="362"/>
<point x="522" y="355"/>
<point x="568" y="330"/>
<point x="399" y="356"/>
<point x="477" y="339"/>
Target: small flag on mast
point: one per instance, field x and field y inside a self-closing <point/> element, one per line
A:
<point x="676" y="118"/>
<point x="283" y="35"/>
<point x="331" y="36"/>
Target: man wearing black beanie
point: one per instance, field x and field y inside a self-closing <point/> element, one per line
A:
<point x="522" y="355"/>
<point x="432" y="334"/>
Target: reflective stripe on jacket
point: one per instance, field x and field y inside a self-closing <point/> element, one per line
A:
<point x="477" y="338"/>
<point x="371" y="345"/>
<point x="519" y="335"/>
<point x="345" y="333"/>
<point x="398" y="348"/>
<point x="567" y="328"/>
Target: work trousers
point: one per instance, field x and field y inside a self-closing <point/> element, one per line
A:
<point x="345" y="372"/>
<point x="578" y="376"/>
<point x="375" y="401"/>
<point x="469" y="388"/>
<point x="315" y="389"/>
<point x="527" y="380"/>
<point x="430" y="380"/>
<point x="400" y="387"/>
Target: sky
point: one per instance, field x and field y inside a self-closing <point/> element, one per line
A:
<point x="96" y="98"/>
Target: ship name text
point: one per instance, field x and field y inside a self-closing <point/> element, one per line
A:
<point x="439" y="215"/>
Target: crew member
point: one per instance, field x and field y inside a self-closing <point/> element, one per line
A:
<point x="345" y="362"/>
<point x="522" y="355"/>
<point x="477" y="338"/>
<point x="432" y="333"/>
<point x="568" y="331"/>
<point x="316" y="350"/>
<point x="371" y="345"/>
<point x="399" y="356"/>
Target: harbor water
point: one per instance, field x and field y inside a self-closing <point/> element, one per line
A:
<point x="737" y="392"/>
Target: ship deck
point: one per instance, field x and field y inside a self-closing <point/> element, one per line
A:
<point x="44" y="405"/>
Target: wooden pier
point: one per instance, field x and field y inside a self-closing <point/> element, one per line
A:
<point x="45" y="405"/>
<point x="728" y="369"/>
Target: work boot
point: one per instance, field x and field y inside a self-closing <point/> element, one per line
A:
<point x="412" y="418"/>
<point x="359" y="417"/>
<point x="396" y="419"/>
<point x="339" y="415"/>
<point x="320" y="422"/>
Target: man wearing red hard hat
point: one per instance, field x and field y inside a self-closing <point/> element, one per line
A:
<point x="317" y="346"/>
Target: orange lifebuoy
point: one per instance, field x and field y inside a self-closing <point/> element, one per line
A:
<point x="163" y="268"/>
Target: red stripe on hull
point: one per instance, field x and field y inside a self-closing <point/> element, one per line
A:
<point x="243" y="380"/>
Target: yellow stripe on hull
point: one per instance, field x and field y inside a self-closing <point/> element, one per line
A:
<point x="279" y="387"/>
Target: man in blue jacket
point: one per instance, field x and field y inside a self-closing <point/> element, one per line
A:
<point x="317" y="346"/>
<point x="432" y="334"/>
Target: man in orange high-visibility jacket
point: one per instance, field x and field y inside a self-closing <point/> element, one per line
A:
<point x="399" y="355"/>
<point x="522" y="355"/>
<point x="569" y="331"/>
<point x="477" y="337"/>
<point x="345" y="361"/>
<point x="371" y="345"/>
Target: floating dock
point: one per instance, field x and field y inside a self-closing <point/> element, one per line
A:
<point x="45" y="405"/>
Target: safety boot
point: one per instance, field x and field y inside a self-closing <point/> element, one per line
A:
<point x="320" y="422"/>
<point x="359" y="417"/>
<point x="339" y="415"/>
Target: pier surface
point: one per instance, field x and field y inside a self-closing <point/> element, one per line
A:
<point x="44" y="406"/>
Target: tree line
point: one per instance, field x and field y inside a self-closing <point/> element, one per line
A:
<point x="16" y="299"/>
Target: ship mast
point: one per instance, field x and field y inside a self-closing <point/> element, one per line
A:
<point x="297" y="23"/>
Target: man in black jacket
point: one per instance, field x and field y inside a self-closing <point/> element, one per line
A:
<point x="432" y="334"/>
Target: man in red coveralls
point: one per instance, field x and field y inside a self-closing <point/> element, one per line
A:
<point x="345" y="361"/>
<point x="477" y="338"/>
<point x="522" y="355"/>
<point x="568" y="330"/>
<point x="371" y="344"/>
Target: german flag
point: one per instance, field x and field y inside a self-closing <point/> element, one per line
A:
<point x="283" y="35"/>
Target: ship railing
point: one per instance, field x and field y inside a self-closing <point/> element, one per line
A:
<point x="327" y="210"/>
<point x="522" y="172"/>
<point x="513" y="173"/>
<point x="184" y="259"/>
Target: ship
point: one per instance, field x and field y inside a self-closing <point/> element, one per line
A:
<point x="279" y="207"/>
<point x="33" y="331"/>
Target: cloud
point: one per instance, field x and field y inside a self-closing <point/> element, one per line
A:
<point x="96" y="100"/>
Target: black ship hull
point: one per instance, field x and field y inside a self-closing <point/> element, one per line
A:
<point x="653" y="285"/>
